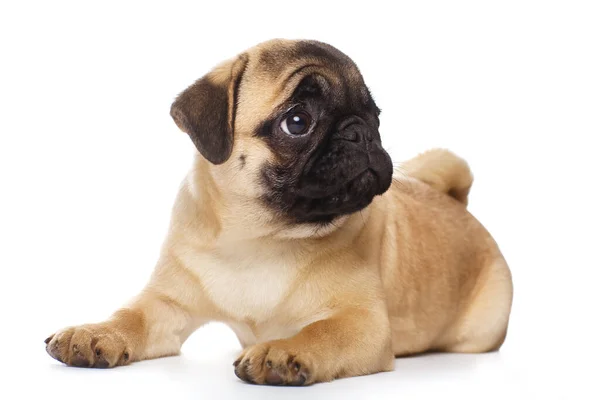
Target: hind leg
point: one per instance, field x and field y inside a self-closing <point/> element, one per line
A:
<point x="483" y="326"/>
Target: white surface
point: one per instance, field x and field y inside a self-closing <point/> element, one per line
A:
<point x="90" y="161"/>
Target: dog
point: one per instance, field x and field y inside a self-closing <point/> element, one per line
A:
<point x="294" y="228"/>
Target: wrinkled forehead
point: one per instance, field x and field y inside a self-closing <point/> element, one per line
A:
<point x="278" y="56"/>
<point x="276" y="67"/>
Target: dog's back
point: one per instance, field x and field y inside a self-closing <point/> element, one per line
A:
<point x="447" y="285"/>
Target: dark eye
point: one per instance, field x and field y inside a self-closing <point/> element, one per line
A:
<point x="296" y="123"/>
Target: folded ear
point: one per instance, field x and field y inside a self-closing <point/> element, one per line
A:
<point x="206" y="110"/>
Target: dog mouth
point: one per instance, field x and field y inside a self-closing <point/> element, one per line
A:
<point x="337" y="185"/>
<point x="331" y="191"/>
<point x="349" y="198"/>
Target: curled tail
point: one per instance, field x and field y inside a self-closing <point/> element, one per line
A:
<point x="442" y="170"/>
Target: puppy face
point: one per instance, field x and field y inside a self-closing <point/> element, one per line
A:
<point x="292" y="125"/>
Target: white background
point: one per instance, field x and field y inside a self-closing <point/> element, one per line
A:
<point x="90" y="162"/>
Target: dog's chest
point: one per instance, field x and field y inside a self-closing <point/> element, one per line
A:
<point x="252" y="333"/>
<point x="245" y="288"/>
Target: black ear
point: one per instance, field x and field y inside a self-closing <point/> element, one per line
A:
<point x="206" y="110"/>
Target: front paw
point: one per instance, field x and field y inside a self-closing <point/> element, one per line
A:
<point x="275" y="363"/>
<point x="97" y="345"/>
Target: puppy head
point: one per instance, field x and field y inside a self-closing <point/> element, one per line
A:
<point x="292" y="125"/>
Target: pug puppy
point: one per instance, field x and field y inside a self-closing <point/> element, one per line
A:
<point x="291" y="228"/>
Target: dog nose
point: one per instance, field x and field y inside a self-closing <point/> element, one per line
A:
<point x="355" y="130"/>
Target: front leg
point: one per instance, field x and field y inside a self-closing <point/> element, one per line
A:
<point x="155" y="324"/>
<point x="350" y="343"/>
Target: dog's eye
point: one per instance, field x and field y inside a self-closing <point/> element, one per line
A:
<point x="296" y="123"/>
